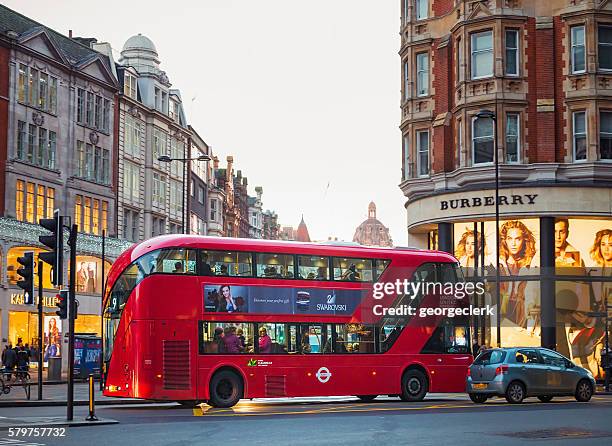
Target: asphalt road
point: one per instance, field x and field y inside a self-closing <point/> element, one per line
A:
<point x="439" y="420"/>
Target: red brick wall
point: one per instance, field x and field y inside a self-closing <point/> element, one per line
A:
<point x="441" y="7"/>
<point x="545" y="89"/>
<point x="560" y="63"/>
<point x="531" y="118"/>
<point x="4" y="107"/>
<point x="442" y="84"/>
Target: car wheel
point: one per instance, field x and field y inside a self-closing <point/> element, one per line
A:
<point x="515" y="393"/>
<point x="584" y="391"/>
<point x="366" y="398"/>
<point x="545" y="398"/>
<point x="414" y="386"/>
<point x="225" y="389"/>
<point x="478" y="398"/>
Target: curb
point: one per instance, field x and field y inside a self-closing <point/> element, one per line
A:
<point x="50" y="403"/>
<point x="57" y="423"/>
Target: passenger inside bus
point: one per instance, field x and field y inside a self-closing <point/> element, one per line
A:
<point x="206" y="269"/>
<point x="351" y="274"/>
<point x="178" y="267"/>
<point x="305" y="345"/>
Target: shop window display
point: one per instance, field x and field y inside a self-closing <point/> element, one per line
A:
<point x="583" y="248"/>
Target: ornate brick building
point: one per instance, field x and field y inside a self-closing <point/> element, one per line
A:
<point x="544" y="71"/>
<point x="371" y="232"/>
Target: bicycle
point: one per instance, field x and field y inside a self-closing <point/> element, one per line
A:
<point x="10" y="378"/>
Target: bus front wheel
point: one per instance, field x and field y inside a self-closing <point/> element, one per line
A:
<point x="414" y="385"/>
<point x="225" y="389"/>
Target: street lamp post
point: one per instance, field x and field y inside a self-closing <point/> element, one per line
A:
<point x="488" y="114"/>
<point x="167" y="159"/>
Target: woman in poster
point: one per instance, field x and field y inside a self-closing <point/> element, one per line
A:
<point x="466" y="250"/>
<point x="81" y="279"/>
<point x="589" y="332"/>
<point x="53" y="340"/>
<point x="517" y="254"/>
<point x="228" y="304"/>
<point x="91" y="277"/>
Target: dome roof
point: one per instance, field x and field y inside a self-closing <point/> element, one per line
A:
<point x="139" y="42"/>
<point x="371" y="232"/>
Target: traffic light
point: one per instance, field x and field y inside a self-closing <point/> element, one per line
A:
<point x="62" y="304"/>
<point x="55" y="242"/>
<point x="27" y="276"/>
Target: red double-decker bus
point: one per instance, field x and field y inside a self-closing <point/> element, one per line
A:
<point x="199" y="319"/>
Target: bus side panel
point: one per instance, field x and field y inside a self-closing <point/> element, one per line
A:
<point x="305" y="375"/>
<point x="117" y="378"/>
<point x="141" y="334"/>
<point x="174" y="361"/>
<point x="447" y="372"/>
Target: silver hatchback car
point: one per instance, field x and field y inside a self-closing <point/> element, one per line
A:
<point x="518" y="373"/>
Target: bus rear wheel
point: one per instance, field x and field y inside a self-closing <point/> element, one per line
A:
<point x="414" y="385"/>
<point x="366" y="398"/>
<point x="226" y="389"/>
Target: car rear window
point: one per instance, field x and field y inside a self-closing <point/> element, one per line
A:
<point x="490" y="357"/>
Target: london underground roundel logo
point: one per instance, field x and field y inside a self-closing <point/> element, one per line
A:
<point x="323" y="374"/>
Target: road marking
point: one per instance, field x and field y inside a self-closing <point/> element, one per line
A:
<point x="260" y="410"/>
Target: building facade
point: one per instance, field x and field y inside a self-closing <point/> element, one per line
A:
<point x="256" y="214"/>
<point x="216" y="200"/>
<point x="152" y="195"/>
<point x="198" y="184"/>
<point x="542" y="71"/>
<point x="57" y="121"/>
<point x="271" y="227"/>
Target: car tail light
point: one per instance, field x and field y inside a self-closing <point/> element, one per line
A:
<point x="501" y="370"/>
<point x="469" y="372"/>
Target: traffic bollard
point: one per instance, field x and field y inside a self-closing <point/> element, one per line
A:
<point x="92" y="401"/>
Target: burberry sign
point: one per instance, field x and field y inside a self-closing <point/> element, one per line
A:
<point x="489" y="200"/>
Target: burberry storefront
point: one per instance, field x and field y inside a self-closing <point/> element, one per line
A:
<point x="555" y="257"/>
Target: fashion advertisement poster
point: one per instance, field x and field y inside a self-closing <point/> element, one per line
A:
<point x="87" y="276"/>
<point x="260" y="299"/>
<point x="582" y="248"/>
<point x="53" y="338"/>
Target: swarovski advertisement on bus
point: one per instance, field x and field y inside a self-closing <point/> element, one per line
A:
<point x="280" y="300"/>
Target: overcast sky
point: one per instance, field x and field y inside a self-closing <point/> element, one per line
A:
<point x="304" y="94"/>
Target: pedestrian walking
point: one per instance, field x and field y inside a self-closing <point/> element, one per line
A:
<point x="9" y="360"/>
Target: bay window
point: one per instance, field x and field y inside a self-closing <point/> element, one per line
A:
<point x="482" y="55"/>
<point x="578" y="49"/>
<point x="512" y="52"/>
<point x="422" y="67"/>
<point x="580" y="135"/>
<point x="482" y="140"/>
<point x="512" y="138"/>
<point x="422" y="140"/>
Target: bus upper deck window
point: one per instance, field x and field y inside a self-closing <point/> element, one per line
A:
<point x="381" y="266"/>
<point x="353" y="270"/>
<point x="312" y="268"/>
<point x="227" y="263"/>
<point x="278" y="266"/>
<point x="173" y="261"/>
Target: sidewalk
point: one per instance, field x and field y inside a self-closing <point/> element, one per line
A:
<point x="56" y="395"/>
